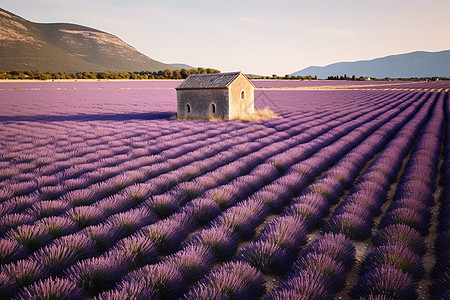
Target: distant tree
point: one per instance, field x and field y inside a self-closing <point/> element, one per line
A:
<point x="168" y="73"/>
<point x="184" y="73"/>
<point x="177" y="74"/>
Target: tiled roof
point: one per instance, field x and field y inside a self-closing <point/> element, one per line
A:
<point x="208" y="81"/>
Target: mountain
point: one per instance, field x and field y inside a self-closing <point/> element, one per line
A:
<point x="26" y="45"/>
<point x="414" y="64"/>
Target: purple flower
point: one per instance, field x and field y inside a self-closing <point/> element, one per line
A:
<point x="223" y="241"/>
<point x="334" y="271"/>
<point x="11" y="250"/>
<point x="86" y="215"/>
<point x="140" y="192"/>
<point x="140" y="250"/>
<point x="79" y="243"/>
<point x="56" y="258"/>
<point x="6" y="193"/>
<point x="235" y="280"/>
<point x="10" y="221"/>
<point x="49" y="208"/>
<point x="76" y="183"/>
<point x="31" y="236"/>
<point x="377" y="177"/>
<point x="313" y="199"/>
<point x="331" y="192"/>
<point x="395" y="255"/>
<point x="272" y="200"/>
<point x="95" y="274"/>
<point x="115" y="204"/>
<point x="402" y="234"/>
<point x="416" y="190"/>
<point x="164" y="278"/>
<point x="104" y="235"/>
<point x="194" y="261"/>
<point x="25" y="272"/>
<point x="306" y="284"/>
<point x="163" y="205"/>
<point x="79" y="197"/>
<point x="287" y="232"/>
<point x="131" y="220"/>
<point x="385" y="280"/>
<point x="267" y="171"/>
<point x="224" y="196"/>
<point x="129" y="290"/>
<point x="405" y="216"/>
<point x="312" y="215"/>
<point x="8" y="286"/>
<point x="57" y="288"/>
<point x="355" y="208"/>
<point x="166" y="234"/>
<point x="265" y="256"/>
<point x="345" y="174"/>
<point x="352" y="225"/>
<point x="336" y="246"/>
<point x="58" y="226"/>
<point x="241" y="220"/>
<point x="202" y="210"/>
<point x="52" y="192"/>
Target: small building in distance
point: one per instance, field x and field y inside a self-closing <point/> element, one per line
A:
<point x="223" y="96"/>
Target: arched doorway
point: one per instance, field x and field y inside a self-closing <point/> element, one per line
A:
<point x="188" y="108"/>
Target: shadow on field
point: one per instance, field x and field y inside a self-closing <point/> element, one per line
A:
<point x="93" y="117"/>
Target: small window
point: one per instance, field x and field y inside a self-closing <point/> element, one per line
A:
<point x="242" y="95"/>
<point x="188" y="108"/>
<point x="213" y="108"/>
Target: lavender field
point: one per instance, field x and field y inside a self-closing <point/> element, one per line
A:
<point x="104" y="196"/>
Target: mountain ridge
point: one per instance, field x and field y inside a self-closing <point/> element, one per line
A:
<point x="54" y="47"/>
<point x="406" y="65"/>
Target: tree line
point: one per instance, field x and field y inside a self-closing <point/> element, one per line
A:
<point x="165" y="74"/>
<point x="361" y="78"/>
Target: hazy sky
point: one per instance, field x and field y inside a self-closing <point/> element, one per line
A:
<point x="260" y="37"/>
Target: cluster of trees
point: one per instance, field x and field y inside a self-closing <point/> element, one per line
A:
<point x="166" y="74"/>
<point x="345" y="77"/>
<point x="289" y="77"/>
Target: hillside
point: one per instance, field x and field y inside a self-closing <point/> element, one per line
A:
<point x="414" y="64"/>
<point x="26" y="45"/>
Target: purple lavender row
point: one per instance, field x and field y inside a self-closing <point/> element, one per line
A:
<point x="65" y="172"/>
<point x="274" y="249"/>
<point x="354" y="216"/>
<point x="82" y="196"/>
<point x="87" y="196"/>
<point x="89" y="215"/>
<point x="90" y="152"/>
<point x="78" y="170"/>
<point x="439" y="289"/>
<point x="319" y="271"/>
<point x="95" y="135"/>
<point x="241" y="223"/>
<point x="392" y="267"/>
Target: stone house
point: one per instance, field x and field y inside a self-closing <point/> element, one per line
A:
<point x="225" y="96"/>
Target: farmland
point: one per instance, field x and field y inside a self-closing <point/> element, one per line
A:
<point x="346" y="195"/>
